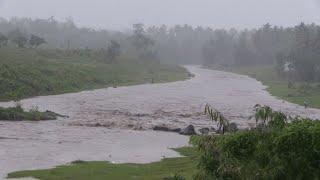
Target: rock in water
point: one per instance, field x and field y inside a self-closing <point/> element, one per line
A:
<point x="233" y="127"/>
<point x="166" y="129"/>
<point x="176" y="130"/>
<point x="188" y="131"/>
<point x="161" y="128"/>
<point x="204" y="131"/>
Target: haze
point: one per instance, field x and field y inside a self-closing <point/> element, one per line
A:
<point x="120" y="14"/>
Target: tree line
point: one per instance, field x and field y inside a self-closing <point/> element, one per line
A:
<point x="294" y="51"/>
<point x="21" y="40"/>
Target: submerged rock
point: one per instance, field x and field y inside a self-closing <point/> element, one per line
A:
<point x="190" y="75"/>
<point x="176" y="130"/>
<point x="166" y="129"/>
<point x="53" y="114"/>
<point x="233" y="127"/>
<point x="204" y="131"/>
<point x="161" y="128"/>
<point x="188" y="131"/>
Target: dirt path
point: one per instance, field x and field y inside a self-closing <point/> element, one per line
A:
<point x="102" y="122"/>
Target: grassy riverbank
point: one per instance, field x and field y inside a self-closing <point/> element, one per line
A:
<point x="185" y="166"/>
<point x="29" y="72"/>
<point x="278" y="86"/>
<point x="17" y="113"/>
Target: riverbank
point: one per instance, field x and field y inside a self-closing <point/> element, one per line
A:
<point x="26" y="73"/>
<point x="44" y="145"/>
<point x="183" y="166"/>
<point x="278" y="86"/>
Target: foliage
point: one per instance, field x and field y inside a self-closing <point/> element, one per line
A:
<point x="184" y="44"/>
<point x="269" y="117"/>
<point x="17" y="113"/>
<point x="139" y="38"/>
<point x="113" y="50"/>
<point x="142" y="42"/>
<point x="20" y="41"/>
<point x="289" y="152"/>
<point x="216" y="116"/>
<point x="36" y="41"/>
<point x="3" y="40"/>
<point x="293" y="51"/>
<point x="33" y="72"/>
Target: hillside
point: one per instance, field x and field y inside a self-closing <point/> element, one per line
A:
<point x="33" y="72"/>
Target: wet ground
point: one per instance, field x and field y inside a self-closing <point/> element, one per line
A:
<point x="115" y="124"/>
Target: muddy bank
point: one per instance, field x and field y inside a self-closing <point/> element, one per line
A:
<point x="102" y="122"/>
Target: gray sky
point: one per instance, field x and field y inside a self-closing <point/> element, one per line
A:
<point x="120" y="14"/>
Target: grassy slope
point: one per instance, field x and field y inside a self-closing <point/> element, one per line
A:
<point x="278" y="86"/>
<point x="184" y="166"/>
<point x="27" y="73"/>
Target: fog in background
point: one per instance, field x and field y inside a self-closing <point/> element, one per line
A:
<point x="227" y="33"/>
<point x="121" y="14"/>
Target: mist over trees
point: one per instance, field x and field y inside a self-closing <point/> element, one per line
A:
<point x="114" y="50"/>
<point x="36" y="41"/>
<point x="297" y="46"/>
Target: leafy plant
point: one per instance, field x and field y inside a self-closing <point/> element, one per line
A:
<point x="217" y="117"/>
<point x="267" y="116"/>
<point x="284" y="150"/>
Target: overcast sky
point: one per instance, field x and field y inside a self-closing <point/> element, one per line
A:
<point x="121" y="14"/>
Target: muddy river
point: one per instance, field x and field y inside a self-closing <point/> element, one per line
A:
<point x="115" y="124"/>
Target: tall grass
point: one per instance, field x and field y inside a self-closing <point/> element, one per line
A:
<point x="33" y="72"/>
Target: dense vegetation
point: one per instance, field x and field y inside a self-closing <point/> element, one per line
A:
<point x="33" y="72"/>
<point x="32" y="63"/>
<point x="279" y="148"/>
<point x="294" y="51"/>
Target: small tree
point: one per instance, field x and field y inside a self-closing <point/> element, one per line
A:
<point x="17" y="37"/>
<point x="217" y="117"/>
<point x="267" y="116"/>
<point x="3" y="40"/>
<point x="141" y="41"/>
<point x="113" y="50"/>
<point x="20" y="41"/>
<point x="36" y="41"/>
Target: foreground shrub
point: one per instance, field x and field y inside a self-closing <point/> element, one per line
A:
<point x="280" y="150"/>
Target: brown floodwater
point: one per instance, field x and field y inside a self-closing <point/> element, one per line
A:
<point x="115" y="124"/>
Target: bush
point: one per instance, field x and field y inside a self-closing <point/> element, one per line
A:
<point x="278" y="151"/>
<point x="17" y="113"/>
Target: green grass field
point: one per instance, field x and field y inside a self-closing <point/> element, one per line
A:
<point x="185" y="166"/>
<point x="278" y="86"/>
<point x="28" y="72"/>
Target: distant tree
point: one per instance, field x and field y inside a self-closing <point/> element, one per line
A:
<point x="36" y="41"/>
<point x="17" y="37"/>
<point x="280" y="64"/>
<point x="3" y="40"/>
<point x="242" y="53"/>
<point x="139" y="38"/>
<point x="20" y="41"/>
<point x="302" y="36"/>
<point x="114" y="50"/>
